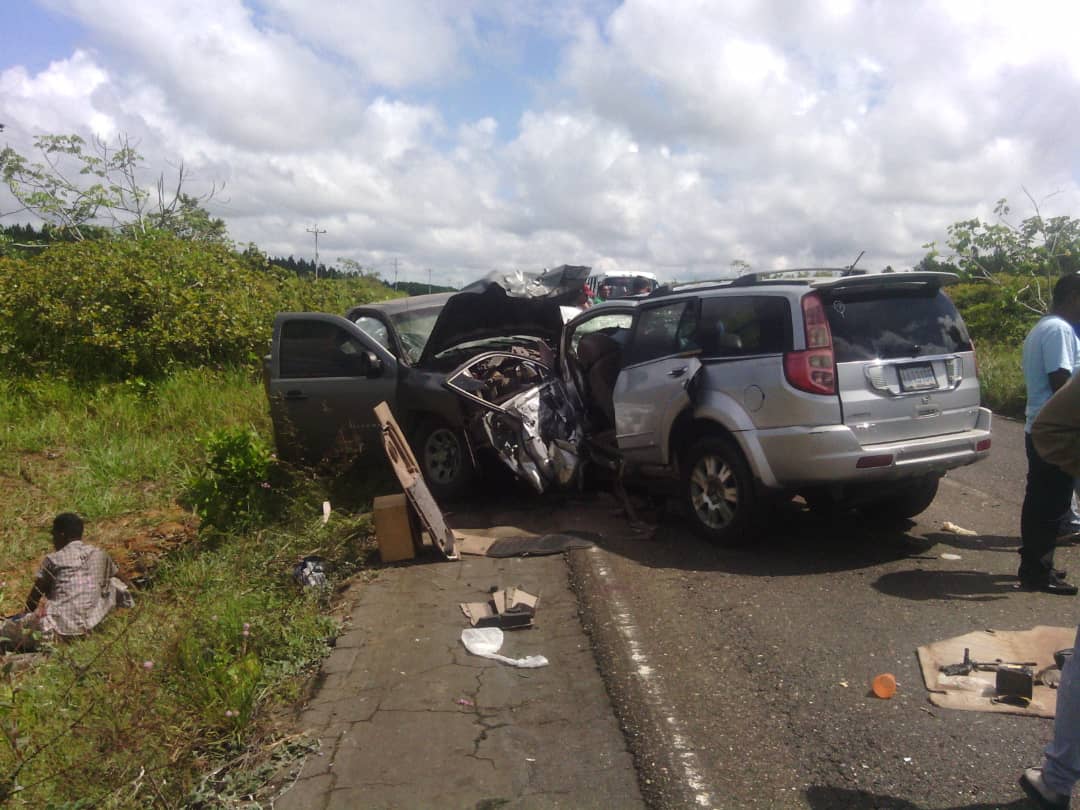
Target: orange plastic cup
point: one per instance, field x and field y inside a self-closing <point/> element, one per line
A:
<point x="884" y="685"/>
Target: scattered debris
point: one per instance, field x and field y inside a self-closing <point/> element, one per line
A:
<point x="977" y="657"/>
<point x="884" y="685"/>
<point x="510" y="609"/>
<point x="407" y="469"/>
<point x="325" y="512"/>
<point x="486" y="642"/>
<point x="394" y="531"/>
<point x="949" y="556"/>
<point x="952" y="528"/>
<point x="310" y="572"/>
<point x="464" y="702"/>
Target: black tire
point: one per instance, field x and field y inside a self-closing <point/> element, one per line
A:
<point x="444" y="459"/>
<point x="719" y="493"/>
<point x="907" y="500"/>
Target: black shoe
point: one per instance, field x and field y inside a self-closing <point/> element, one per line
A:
<point x="1053" y="584"/>
<point x="1035" y="788"/>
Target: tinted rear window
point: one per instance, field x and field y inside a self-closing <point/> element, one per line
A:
<point x="887" y="324"/>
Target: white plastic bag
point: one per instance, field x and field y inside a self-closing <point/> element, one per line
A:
<point x="486" y="642"/>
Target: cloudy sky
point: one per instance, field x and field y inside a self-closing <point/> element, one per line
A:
<point x="670" y="135"/>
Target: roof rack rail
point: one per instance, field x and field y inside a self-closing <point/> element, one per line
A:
<point x="795" y="275"/>
<point x="702" y="284"/>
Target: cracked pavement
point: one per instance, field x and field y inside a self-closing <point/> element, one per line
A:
<point x="407" y="718"/>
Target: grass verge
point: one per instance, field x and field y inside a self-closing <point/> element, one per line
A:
<point x="1001" y="377"/>
<point x="185" y="683"/>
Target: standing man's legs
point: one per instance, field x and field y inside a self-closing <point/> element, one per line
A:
<point x="1061" y="769"/>
<point x="1046" y="500"/>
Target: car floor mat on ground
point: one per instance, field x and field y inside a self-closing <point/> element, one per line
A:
<point x="533" y="546"/>
<point x="975" y="691"/>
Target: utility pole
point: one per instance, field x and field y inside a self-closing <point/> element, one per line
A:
<point x="315" y="230"/>
<point x="395" y="273"/>
<point x="429" y="281"/>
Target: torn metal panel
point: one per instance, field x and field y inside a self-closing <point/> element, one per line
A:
<point x="412" y="481"/>
<point x="537" y="435"/>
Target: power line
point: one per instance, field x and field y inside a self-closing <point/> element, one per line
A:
<point x="315" y="230"/>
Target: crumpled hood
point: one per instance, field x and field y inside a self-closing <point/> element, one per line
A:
<point x="502" y="305"/>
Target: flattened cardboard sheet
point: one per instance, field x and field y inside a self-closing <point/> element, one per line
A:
<point x="407" y="469"/>
<point x="974" y="692"/>
<point x="509" y="608"/>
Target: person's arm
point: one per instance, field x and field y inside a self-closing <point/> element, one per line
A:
<point x="1057" y="379"/>
<point x="1058" y="355"/>
<point x="42" y="587"/>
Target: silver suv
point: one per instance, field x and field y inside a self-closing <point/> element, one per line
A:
<point x="840" y="387"/>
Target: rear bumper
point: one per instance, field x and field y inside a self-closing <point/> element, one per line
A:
<point x="830" y="455"/>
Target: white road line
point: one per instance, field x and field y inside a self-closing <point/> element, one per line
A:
<point x="625" y="623"/>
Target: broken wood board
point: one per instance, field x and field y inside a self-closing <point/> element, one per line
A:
<point x="974" y="692"/>
<point x="407" y="470"/>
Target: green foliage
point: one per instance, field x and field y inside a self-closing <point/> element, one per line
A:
<point x="993" y="312"/>
<point x="241" y="486"/>
<point x="121" y="308"/>
<point x="1038" y="249"/>
<point x="75" y="185"/>
<point x="1001" y="378"/>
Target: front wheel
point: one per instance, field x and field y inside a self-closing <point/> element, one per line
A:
<point x="444" y="459"/>
<point x="719" y="491"/>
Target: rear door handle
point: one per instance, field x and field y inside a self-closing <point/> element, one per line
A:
<point x="296" y="393"/>
<point x="677" y="372"/>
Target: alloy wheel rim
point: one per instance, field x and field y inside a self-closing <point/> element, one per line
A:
<point x="442" y="454"/>
<point x="714" y="492"/>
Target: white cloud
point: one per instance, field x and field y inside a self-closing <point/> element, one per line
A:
<point x="673" y="135"/>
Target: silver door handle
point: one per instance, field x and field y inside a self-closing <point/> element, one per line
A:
<point x="677" y="372"/>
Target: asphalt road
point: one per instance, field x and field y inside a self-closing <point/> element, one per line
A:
<point x="741" y="676"/>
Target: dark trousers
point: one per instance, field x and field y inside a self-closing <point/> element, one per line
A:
<point x="1046" y="500"/>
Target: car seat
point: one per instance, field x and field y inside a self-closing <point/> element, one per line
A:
<point x="600" y="356"/>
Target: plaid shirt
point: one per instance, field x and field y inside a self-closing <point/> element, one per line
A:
<point x="78" y="588"/>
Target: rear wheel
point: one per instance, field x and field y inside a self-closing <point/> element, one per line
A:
<point x="719" y="491"/>
<point x="444" y="459"/>
<point x="906" y="501"/>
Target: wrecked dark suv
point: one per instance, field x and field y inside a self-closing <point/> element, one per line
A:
<point x="325" y="373"/>
<point x="856" y="389"/>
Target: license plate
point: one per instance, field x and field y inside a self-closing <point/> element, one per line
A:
<point x="917" y="377"/>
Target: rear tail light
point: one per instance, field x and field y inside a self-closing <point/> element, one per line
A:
<point x="814" y="369"/>
<point x="981" y="445"/>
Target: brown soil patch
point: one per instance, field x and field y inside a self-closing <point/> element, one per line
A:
<point x="139" y="540"/>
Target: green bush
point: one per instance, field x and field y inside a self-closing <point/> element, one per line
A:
<point x="116" y="309"/>
<point x="241" y="486"/>
<point x="997" y="312"/>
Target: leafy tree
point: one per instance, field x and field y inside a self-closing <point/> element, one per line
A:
<point x="1038" y="250"/>
<point x="75" y="186"/>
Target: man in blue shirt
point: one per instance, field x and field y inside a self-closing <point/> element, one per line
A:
<point x="1051" y="353"/>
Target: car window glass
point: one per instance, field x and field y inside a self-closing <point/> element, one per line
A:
<point x="664" y="330"/>
<point x="376" y="329"/>
<point x="320" y="349"/>
<point x="616" y="325"/>
<point x="883" y="324"/>
<point x="414" y="327"/>
<point x="751" y="324"/>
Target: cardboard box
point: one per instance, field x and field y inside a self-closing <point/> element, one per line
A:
<point x="393" y="528"/>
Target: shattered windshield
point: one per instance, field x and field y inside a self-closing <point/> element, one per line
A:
<point x="414" y="328"/>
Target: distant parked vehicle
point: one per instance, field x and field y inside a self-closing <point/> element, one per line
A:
<point x="608" y="286"/>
